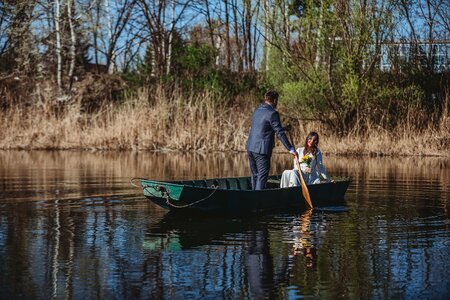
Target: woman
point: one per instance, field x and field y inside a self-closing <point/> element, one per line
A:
<point x="311" y="164"/>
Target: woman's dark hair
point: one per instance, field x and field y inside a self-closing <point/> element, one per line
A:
<point x="313" y="149"/>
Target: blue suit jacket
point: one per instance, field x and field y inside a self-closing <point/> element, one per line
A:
<point x="265" y="123"/>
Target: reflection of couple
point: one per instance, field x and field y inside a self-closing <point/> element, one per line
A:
<point x="311" y="164"/>
<point x="303" y="240"/>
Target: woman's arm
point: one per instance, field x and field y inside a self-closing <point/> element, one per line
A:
<point x="320" y="167"/>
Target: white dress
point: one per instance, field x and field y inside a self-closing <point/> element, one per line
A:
<point x="291" y="177"/>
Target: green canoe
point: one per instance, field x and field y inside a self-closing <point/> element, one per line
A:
<point x="234" y="195"/>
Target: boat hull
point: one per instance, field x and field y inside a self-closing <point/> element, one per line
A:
<point x="234" y="195"/>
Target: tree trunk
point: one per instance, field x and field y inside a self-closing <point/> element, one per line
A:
<point x="430" y="22"/>
<point x="95" y="33"/>
<point x="248" y="39"/>
<point x="319" y="37"/>
<point x="210" y="24"/>
<point x="413" y="32"/>
<point x="266" y="35"/>
<point x="227" y="35"/>
<point x="58" y="45"/>
<point x="239" y="60"/>
<point x="112" y="53"/>
<point x="217" y="46"/>
<point x="73" y="41"/>
<point x="256" y="36"/>
<point x="287" y="26"/>
<point x="169" y="46"/>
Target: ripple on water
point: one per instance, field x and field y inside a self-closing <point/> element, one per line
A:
<point x="73" y="224"/>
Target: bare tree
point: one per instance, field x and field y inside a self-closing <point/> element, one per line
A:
<point x="96" y="29"/>
<point x="160" y="31"/>
<point x="58" y="45"/>
<point x="73" y="41"/>
<point x="406" y="10"/>
<point x="267" y="31"/>
<point x="210" y="22"/>
<point x="442" y="8"/>
<point x="116" y="24"/>
<point x="248" y="34"/>
<point x="227" y="35"/>
<point x="170" y="42"/>
<point x="237" y="36"/>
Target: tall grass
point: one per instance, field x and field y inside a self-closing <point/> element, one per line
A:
<point x="163" y="122"/>
<point x="156" y="120"/>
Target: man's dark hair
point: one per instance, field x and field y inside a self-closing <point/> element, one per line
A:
<point x="271" y="96"/>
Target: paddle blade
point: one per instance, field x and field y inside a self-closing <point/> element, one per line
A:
<point x="305" y="193"/>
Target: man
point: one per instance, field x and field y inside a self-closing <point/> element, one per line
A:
<point x="261" y="140"/>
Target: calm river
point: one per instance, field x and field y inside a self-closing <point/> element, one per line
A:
<point x="72" y="226"/>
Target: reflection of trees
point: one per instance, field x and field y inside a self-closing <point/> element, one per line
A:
<point x="107" y="242"/>
<point x="55" y="261"/>
<point x="71" y="252"/>
<point x="397" y="177"/>
<point x="398" y="208"/>
<point x="380" y="167"/>
<point x="64" y="175"/>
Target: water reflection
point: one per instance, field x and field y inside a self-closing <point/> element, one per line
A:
<point x="232" y="255"/>
<point x="71" y="226"/>
<point x="303" y="243"/>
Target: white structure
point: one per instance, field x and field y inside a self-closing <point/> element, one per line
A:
<point x="404" y="51"/>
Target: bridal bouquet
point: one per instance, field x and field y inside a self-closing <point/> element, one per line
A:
<point x="306" y="159"/>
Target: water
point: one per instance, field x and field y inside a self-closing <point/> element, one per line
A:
<point x="72" y="226"/>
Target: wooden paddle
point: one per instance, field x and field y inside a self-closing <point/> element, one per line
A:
<point x="305" y="190"/>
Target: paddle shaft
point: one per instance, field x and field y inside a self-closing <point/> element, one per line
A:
<point x="305" y="190"/>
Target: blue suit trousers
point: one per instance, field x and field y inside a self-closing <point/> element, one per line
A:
<point x="260" y="167"/>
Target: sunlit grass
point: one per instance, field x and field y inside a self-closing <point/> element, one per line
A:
<point x="195" y="123"/>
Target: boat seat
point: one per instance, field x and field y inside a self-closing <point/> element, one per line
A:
<point x="211" y="183"/>
<point x="278" y="177"/>
<point x="223" y="184"/>
<point x="234" y="184"/>
<point x="200" y="183"/>
<point x="245" y="183"/>
<point x="205" y="183"/>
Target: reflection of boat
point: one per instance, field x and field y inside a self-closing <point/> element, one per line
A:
<point x="234" y="195"/>
<point x="193" y="230"/>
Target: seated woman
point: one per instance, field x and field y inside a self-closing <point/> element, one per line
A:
<point x="311" y="164"/>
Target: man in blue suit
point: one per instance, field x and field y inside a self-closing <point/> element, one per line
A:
<point x="261" y="140"/>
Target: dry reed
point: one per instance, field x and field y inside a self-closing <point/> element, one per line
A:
<point x="154" y="120"/>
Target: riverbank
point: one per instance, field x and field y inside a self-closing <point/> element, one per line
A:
<point x="195" y="124"/>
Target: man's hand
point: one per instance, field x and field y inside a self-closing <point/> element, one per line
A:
<point x="293" y="152"/>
